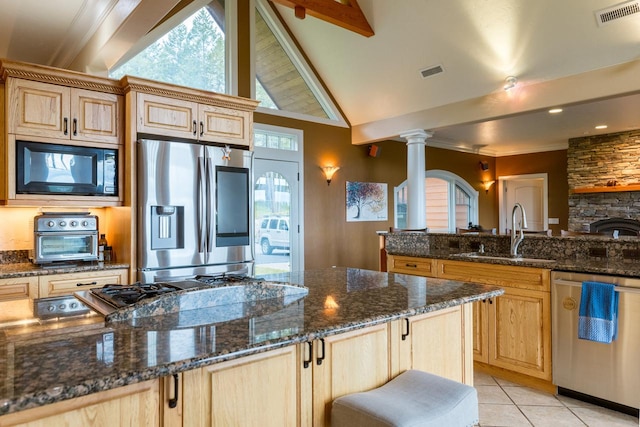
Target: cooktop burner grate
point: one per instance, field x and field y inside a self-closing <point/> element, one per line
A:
<point x="124" y="295"/>
<point x="219" y="279"/>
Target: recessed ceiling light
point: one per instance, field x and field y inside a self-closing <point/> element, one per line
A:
<point x="601" y="127"/>
<point x="555" y="110"/>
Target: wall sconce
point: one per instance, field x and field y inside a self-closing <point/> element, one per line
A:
<point x="487" y="185"/>
<point x="329" y="171"/>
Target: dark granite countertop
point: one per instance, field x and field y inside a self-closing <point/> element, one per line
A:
<point x="595" y="266"/>
<point x="596" y="255"/>
<point x="46" y="363"/>
<point x="26" y="269"/>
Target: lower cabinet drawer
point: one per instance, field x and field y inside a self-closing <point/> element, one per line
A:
<point x="412" y="265"/>
<point x="66" y="284"/>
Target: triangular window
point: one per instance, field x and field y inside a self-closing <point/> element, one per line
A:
<point x="285" y="84"/>
<point x="194" y="43"/>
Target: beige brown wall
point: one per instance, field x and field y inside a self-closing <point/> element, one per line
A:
<point x="329" y="238"/>
<point x="553" y="163"/>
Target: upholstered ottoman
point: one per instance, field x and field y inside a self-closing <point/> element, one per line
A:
<point x="412" y="399"/>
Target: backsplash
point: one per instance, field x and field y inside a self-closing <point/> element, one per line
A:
<point x="598" y="161"/>
<point x="577" y="248"/>
<point x="14" y="257"/>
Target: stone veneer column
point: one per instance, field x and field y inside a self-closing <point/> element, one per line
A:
<point x="416" y="201"/>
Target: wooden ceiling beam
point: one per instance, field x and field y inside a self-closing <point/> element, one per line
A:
<point x="345" y="14"/>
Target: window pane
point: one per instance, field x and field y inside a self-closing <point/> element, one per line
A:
<point x="276" y="141"/>
<point x="437" y="201"/>
<point x="192" y="54"/>
<point x="401" y="208"/>
<point x="463" y="208"/>
<point x="279" y="84"/>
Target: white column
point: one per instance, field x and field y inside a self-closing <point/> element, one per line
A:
<point x="416" y="201"/>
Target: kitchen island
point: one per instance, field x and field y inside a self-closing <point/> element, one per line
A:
<point x="51" y="362"/>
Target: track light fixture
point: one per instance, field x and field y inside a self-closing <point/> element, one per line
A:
<point x="510" y="82"/>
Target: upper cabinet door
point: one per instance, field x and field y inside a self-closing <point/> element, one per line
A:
<point x="48" y="110"/>
<point x="159" y="115"/>
<point x="226" y="125"/>
<point x="96" y="116"/>
<point x="39" y="109"/>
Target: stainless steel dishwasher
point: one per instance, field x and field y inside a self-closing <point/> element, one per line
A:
<point x="584" y="369"/>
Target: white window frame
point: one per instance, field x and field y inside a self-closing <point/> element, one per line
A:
<point x="453" y="180"/>
<point x="291" y="156"/>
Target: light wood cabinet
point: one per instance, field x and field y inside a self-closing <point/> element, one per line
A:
<point x="296" y="385"/>
<point x="18" y="288"/>
<point x="519" y="332"/>
<point x="348" y="363"/>
<point x="265" y="389"/>
<point x="132" y="405"/>
<point x="48" y="110"/>
<point x="187" y="119"/>
<point x="511" y="332"/>
<point x="67" y="284"/>
<point x="439" y="342"/>
<point x="55" y="106"/>
<point x="412" y="265"/>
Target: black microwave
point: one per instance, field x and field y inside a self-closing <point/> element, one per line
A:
<point x="43" y="168"/>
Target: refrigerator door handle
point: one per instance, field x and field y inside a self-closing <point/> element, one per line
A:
<point x="201" y="207"/>
<point x="209" y="204"/>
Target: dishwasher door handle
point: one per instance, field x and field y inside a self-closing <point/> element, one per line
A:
<point x="621" y="289"/>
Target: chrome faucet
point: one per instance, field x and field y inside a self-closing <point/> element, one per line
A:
<point x="515" y="239"/>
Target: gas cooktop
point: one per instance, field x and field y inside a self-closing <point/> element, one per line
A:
<point x="119" y="296"/>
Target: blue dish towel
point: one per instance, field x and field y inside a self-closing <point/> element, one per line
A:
<point x="598" y="315"/>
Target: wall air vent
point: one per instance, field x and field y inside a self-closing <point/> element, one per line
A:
<point x="622" y="10"/>
<point x="431" y="71"/>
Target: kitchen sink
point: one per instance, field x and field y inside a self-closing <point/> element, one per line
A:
<point x="517" y="259"/>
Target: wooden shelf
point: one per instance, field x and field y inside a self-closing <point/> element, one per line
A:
<point x="607" y="189"/>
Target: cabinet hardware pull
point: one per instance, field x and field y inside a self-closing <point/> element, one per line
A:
<point x="201" y="128"/>
<point x="65" y="126"/>
<point x="411" y="265"/>
<point x="490" y="300"/>
<point x="308" y="361"/>
<point x="173" y="402"/>
<point x="195" y="126"/>
<point x="405" y="335"/>
<point x="86" y="284"/>
<point x="75" y="126"/>
<point x="320" y="359"/>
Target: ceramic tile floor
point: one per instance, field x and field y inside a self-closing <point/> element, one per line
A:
<point x="505" y="404"/>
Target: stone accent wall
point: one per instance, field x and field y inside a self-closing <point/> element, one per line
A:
<point x="594" y="161"/>
<point x="591" y="207"/>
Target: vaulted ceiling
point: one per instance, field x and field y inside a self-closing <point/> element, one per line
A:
<point x="557" y="50"/>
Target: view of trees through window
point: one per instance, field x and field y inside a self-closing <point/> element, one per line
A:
<point x="192" y="54"/>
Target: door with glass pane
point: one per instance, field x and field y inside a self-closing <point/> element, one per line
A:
<point x="276" y="214"/>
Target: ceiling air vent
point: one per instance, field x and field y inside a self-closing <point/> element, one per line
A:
<point x="431" y="71"/>
<point x="622" y="10"/>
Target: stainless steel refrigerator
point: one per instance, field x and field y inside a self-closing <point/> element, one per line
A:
<point x="195" y="213"/>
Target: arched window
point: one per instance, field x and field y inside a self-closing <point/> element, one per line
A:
<point x="450" y="202"/>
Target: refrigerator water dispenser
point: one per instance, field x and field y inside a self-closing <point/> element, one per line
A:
<point x="167" y="227"/>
